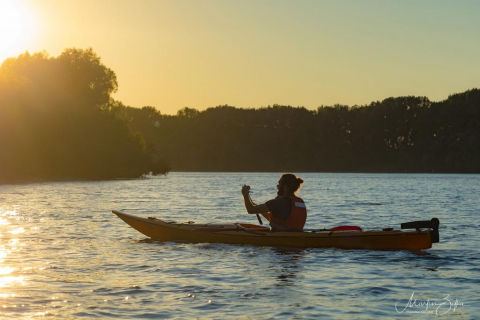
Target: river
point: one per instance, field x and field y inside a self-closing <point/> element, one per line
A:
<point x="64" y="255"/>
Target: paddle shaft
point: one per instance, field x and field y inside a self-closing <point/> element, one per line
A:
<point x="247" y="188"/>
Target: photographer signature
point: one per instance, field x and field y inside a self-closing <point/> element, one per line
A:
<point x="433" y="306"/>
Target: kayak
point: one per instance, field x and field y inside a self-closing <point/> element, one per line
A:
<point x="424" y="234"/>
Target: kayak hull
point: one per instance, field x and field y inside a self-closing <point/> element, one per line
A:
<point x="161" y="230"/>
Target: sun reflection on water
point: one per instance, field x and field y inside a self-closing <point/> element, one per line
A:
<point x="5" y="213"/>
<point x="9" y="278"/>
<point x="17" y="231"/>
<point x="6" y="270"/>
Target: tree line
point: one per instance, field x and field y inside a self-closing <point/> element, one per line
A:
<point x="402" y="134"/>
<point x="58" y="121"/>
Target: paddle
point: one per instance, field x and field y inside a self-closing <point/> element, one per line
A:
<point x="258" y="217"/>
<point x="259" y="220"/>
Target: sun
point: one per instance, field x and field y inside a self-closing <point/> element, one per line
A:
<point x="17" y="27"/>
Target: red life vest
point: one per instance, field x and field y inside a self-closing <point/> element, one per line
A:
<point x="298" y="215"/>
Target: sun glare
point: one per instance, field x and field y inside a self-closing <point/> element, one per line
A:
<point x="17" y="27"/>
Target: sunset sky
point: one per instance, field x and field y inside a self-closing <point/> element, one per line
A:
<point x="172" y="54"/>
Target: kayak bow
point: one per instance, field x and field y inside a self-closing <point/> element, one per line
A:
<point x="422" y="237"/>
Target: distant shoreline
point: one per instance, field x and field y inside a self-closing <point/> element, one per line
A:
<point x="67" y="180"/>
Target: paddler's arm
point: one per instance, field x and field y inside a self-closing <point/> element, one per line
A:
<point x="251" y="207"/>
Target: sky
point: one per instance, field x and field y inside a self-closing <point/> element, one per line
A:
<point x="204" y="53"/>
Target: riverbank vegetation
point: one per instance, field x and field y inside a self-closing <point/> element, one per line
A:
<point x="58" y="121"/>
<point x="403" y="134"/>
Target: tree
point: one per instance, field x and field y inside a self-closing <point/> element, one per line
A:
<point x="57" y="121"/>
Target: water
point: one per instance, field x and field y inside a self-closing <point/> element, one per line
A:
<point x="64" y="255"/>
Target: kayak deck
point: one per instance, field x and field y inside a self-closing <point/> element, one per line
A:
<point x="249" y="234"/>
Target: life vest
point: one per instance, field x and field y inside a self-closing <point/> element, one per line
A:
<point x="298" y="215"/>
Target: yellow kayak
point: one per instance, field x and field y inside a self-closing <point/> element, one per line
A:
<point x="425" y="233"/>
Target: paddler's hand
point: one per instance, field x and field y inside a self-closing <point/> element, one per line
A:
<point x="245" y="190"/>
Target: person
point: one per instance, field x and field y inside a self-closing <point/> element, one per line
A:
<point x="286" y="212"/>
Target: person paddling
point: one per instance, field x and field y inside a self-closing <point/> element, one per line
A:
<point x="286" y="212"/>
